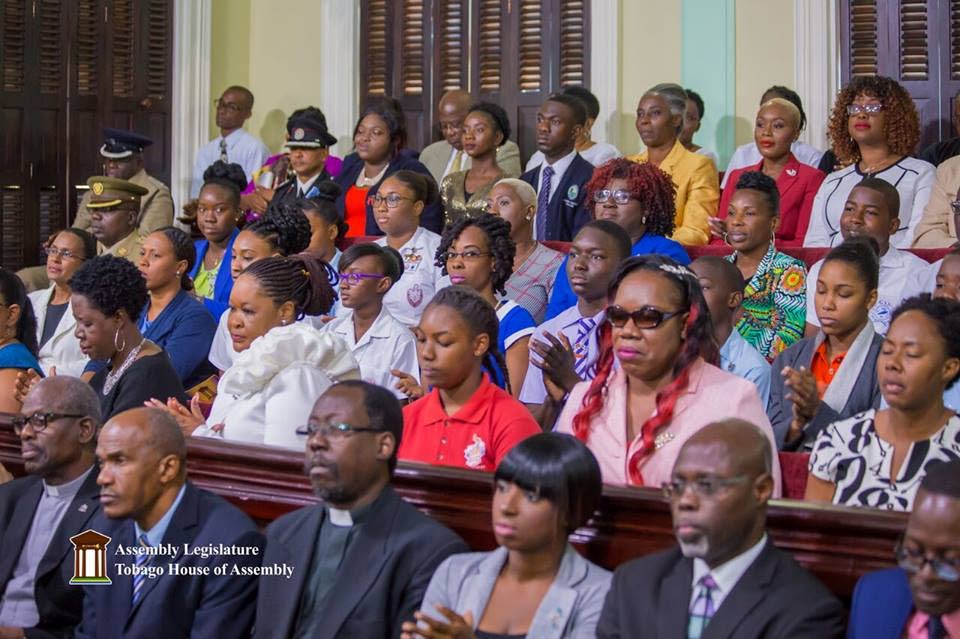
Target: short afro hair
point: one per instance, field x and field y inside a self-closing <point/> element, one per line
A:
<point x="111" y="284"/>
<point x="759" y="181"/>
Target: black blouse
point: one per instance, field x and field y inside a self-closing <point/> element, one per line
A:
<point x="149" y="377"/>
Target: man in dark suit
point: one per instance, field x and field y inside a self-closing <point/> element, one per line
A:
<point x="182" y="561"/>
<point x="921" y="598"/>
<point x="363" y="559"/>
<point x="560" y="180"/>
<point x="726" y="579"/>
<point x="39" y="513"/>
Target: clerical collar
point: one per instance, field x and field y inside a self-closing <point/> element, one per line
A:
<point x="68" y="490"/>
<point x="339" y="517"/>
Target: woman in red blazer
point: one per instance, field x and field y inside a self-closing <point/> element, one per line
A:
<point x="777" y="127"/>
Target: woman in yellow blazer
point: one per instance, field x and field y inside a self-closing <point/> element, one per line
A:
<point x="659" y="120"/>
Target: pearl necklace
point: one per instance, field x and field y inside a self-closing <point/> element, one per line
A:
<point x="114" y="376"/>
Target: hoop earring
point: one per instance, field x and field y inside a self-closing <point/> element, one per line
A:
<point x="116" y="338"/>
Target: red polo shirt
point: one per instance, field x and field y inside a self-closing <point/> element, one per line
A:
<point x="477" y="436"/>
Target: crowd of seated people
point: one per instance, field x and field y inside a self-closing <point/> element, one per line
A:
<point x="564" y="328"/>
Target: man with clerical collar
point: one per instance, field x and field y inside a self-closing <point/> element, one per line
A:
<point x="726" y="578"/>
<point x="308" y="143"/>
<point x="362" y="560"/>
<point x="154" y="516"/>
<point x="39" y="513"/>
<point x="921" y="598"/>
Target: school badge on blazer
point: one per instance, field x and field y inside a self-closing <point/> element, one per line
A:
<point x="90" y="559"/>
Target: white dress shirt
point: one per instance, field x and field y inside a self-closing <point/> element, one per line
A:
<point x="726" y="575"/>
<point x="421" y="278"/>
<point x="596" y="155"/>
<point x="242" y="148"/>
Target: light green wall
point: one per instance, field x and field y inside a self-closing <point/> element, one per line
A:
<point x="230" y="49"/>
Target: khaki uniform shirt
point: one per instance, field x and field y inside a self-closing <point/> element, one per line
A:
<point x="156" y="207"/>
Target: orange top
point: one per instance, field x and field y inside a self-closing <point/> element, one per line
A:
<point x="355" y="211"/>
<point x="822" y="370"/>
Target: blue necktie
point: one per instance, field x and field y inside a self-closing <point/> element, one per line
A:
<point x="543" y="203"/>
<point x="581" y="346"/>
<point x="139" y="577"/>
<point x="935" y="628"/>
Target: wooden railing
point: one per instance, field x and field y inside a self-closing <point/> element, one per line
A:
<point x="836" y="544"/>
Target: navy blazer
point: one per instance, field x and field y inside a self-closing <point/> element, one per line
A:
<point x="185" y="330"/>
<point x="171" y="605"/>
<point x="774" y="599"/>
<point x="59" y="604"/>
<point x="224" y="282"/>
<point x="385" y="571"/>
<point x="432" y="216"/>
<point x="568" y="210"/>
<point x="882" y="605"/>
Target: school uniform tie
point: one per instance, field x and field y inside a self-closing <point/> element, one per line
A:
<point x="702" y="609"/>
<point x="139" y="577"/>
<point x="935" y="628"/>
<point x="543" y="202"/>
<point x="581" y="345"/>
<point x="223" y="150"/>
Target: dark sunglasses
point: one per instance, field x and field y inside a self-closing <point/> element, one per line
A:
<point x="645" y="317"/>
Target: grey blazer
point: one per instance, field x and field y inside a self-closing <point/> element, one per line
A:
<point x="435" y="157"/>
<point x="865" y="393"/>
<point x="569" y="610"/>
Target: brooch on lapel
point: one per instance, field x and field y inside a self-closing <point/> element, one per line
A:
<point x="555" y="617"/>
<point x="662" y="439"/>
<point x="82" y="508"/>
<point x="572" y="192"/>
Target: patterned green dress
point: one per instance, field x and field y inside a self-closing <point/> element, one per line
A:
<point x="774" y="303"/>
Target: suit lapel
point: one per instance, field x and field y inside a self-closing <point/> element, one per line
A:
<point x="477" y="587"/>
<point x="557" y="605"/>
<point x="85" y="504"/>
<point x="18" y="529"/>
<point x="295" y="549"/>
<point x="745" y="596"/>
<point x="788" y="177"/>
<point x="674" y="599"/>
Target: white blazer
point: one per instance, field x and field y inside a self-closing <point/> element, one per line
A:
<point x="63" y="349"/>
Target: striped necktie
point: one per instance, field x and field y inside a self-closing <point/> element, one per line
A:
<point x="702" y="609"/>
<point x="139" y="577"/>
<point x="581" y="346"/>
<point x="223" y="150"/>
<point x="935" y="628"/>
<point x="543" y="202"/>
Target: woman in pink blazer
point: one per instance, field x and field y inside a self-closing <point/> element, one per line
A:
<point x="777" y="127"/>
<point x="655" y="382"/>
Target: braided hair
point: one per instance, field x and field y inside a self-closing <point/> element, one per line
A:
<point x="698" y="344"/>
<point x="14" y="292"/>
<point x="183" y="250"/>
<point x="229" y="176"/>
<point x="301" y="279"/>
<point x="499" y="242"/>
<point x="481" y="318"/>
<point x="284" y="227"/>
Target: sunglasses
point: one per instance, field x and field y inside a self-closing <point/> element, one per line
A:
<point x="645" y="317"/>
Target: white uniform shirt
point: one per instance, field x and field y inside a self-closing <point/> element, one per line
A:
<point x="421" y="278"/>
<point x="386" y="345"/>
<point x="902" y="275"/>
<point x="913" y="180"/>
<point x="242" y="148"/>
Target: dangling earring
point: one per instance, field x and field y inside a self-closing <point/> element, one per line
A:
<point x="643" y="220"/>
<point x="116" y="338"/>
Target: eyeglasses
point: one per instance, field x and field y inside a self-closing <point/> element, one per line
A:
<point x="645" y="317"/>
<point x="913" y="561"/>
<point x="227" y="106"/>
<point x="869" y="109"/>
<point x="619" y="196"/>
<point x="702" y="486"/>
<point x="354" y="278"/>
<point x="335" y="431"/>
<point x="63" y="254"/>
<point x="393" y="200"/>
<point x="466" y="255"/>
<point x="39" y="421"/>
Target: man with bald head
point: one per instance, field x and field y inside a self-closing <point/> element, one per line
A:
<point x="725" y="578"/>
<point x="39" y="513"/>
<point x="183" y="562"/>
<point x="921" y="598"/>
<point x="447" y="155"/>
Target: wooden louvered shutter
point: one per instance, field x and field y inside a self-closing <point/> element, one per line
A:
<point x="489" y="38"/>
<point x="153" y="102"/>
<point x="450" y="46"/>
<point x="574" y="43"/>
<point x="375" y="41"/>
<point x="412" y="89"/>
<point x="90" y="84"/>
<point x="14" y="103"/>
<point x="862" y="22"/>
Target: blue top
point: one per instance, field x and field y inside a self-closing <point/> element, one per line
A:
<point x="16" y="355"/>
<point x="737" y="356"/>
<point x="224" y="282"/>
<point x="516" y="323"/>
<point x="563" y="296"/>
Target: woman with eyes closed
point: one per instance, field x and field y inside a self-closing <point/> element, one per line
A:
<point x="281" y="232"/>
<point x="873" y="129"/>
<point x="283" y="366"/>
<point x="774" y="300"/>
<point x="776" y="129"/>
<point x="464" y="193"/>
<point x="218" y="212"/>
<point x="478" y="253"/>
<point x="878" y="458"/>
<point x="59" y="349"/>
<point x="635" y="416"/>
<point x="832" y="375"/>
<point x="534" y="584"/>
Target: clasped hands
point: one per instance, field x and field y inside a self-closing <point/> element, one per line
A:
<point x="804" y="397"/>
<point x="455" y="626"/>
